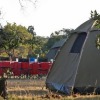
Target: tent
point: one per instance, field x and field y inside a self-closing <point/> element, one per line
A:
<point x="54" y="49"/>
<point x="76" y="67"/>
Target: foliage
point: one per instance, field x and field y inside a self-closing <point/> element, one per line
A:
<point x="96" y="16"/>
<point x="19" y="41"/>
<point x="12" y="36"/>
<point x="37" y="46"/>
<point x="98" y="42"/>
<point x="58" y="35"/>
<point x="31" y="30"/>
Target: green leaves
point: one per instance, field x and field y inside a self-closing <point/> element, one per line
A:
<point x="13" y="35"/>
<point x="18" y="40"/>
<point x="96" y="16"/>
<point x="98" y="42"/>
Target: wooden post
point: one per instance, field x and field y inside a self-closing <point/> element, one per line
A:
<point x="3" y="88"/>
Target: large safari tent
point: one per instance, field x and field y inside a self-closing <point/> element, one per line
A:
<point x="77" y="66"/>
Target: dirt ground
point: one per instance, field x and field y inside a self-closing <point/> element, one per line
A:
<point x="31" y="88"/>
<point x="26" y="87"/>
<point x="36" y="88"/>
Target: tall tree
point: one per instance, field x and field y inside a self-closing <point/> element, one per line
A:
<point x="33" y="40"/>
<point x="94" y="14"/>
<point x="12" y="36"/>
<point x="31" y="30"/>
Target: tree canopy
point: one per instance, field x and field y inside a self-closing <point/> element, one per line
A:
<point x="17" y="40"/>
<point x="12" y="35"/>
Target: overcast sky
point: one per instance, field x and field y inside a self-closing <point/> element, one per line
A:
<point x="48" y="16"/>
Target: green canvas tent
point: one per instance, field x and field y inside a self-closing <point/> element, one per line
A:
<point x="77" y="66"/>
<point x="54" y="49"/>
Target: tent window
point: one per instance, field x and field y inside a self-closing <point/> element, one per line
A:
<point x="76" y="48"/>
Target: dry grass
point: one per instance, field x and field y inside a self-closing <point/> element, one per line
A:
<point x="34" y="89"/>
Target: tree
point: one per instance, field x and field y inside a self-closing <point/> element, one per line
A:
<point x="12" y="36"/>
<point x="33" y="40"/>
<point x="58" y="35"/>
<point x="31" y="30"/>
<point x="36" y="43"/>
<point x="96" y="16"/>
<point x="32" y="1"/>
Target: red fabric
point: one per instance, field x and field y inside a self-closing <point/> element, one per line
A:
<point x="44" y="67"/>
<point x="16" y="68"/>
<point x="0" y="63"/>
<point x="19" y="68"/>
<point x="25" y="65"/>
<point x="12" y="64"/>
<point x="25" y="68"/>
<point x="34" y="68"/>
<point x="1" y="72"/>
<point x="5" y="64"/>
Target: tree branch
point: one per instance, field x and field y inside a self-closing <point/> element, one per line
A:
<point x="33" y="2"/>
<point x="21" y="3"/>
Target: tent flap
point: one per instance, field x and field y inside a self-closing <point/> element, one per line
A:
<point x="59" y="87"/>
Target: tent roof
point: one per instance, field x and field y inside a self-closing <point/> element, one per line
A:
<point x="59" y="43"/>
<point x="86" y="26"/>
<point x="79" y="70"/>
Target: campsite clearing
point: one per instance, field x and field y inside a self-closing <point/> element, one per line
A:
<point x="77" y="65"/>
<point x="34" y="89"/>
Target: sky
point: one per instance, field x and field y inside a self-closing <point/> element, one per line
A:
<point x="48" y="16"/>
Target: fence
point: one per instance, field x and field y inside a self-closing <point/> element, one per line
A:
<point x="24" y="68"/>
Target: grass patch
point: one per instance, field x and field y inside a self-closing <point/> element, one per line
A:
<point x="34" y="89"/>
